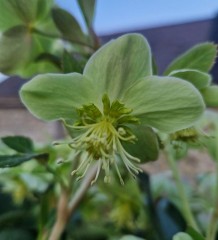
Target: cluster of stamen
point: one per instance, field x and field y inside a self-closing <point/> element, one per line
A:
<point x="100" y="139"/>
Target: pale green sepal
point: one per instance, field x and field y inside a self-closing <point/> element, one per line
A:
<point x="200" y="57"/>
<point x="210" y="95"/>
<point x="146" y="147"/>
<point x="119" y="64"/>
<point x="166" y="103"/>
<point x="197" y="78"/>
<point x="182" y="236"/>
<point x="55" y="96"/>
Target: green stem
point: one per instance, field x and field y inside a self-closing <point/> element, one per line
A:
<point x="181" y="191"/>
<point x="212" y="226"/>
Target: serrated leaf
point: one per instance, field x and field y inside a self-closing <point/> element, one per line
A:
<point x="68" y="25"/>
<point x="15" y="160"/>
<point x="210" y="95"/>
<point x="19" y="143"/>
<point x="201" y="57"/>
<point x="146" y="147"/>
<point x="88" y="10"/>
<point x="197" y="78"/>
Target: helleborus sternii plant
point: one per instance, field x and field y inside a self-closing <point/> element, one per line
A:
<point x="113" y="105"/>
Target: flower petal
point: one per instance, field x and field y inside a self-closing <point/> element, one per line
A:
<point x="166" y="103"/>
<point x="55" y="96"/>
<point x="119" y="64"/>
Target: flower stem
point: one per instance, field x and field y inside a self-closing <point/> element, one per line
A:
<point x="212" y="226"/>
<point x="65" y="208"/>
<point x="181" y="191"/>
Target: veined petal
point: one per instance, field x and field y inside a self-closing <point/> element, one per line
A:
<point x="119" y="64"/>
<point x="55" y="96"/>
<point x="166" y="103"/>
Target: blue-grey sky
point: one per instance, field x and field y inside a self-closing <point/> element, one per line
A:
<point x="118" y="15"/>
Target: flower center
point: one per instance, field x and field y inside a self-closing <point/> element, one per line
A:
<point x="101" y="136"/>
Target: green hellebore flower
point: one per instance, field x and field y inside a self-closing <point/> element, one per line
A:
<point x="116" y="91"/>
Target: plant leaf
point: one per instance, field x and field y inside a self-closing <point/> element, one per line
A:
<point x="170" y="218"/>
<point x="194" y="234"/>
<point x="197" y="78"/>
<point x="68" y="25"/>
<point x="146" y="147"/>
<point x="182" y="236"/>
<point x="15" y="45"/>
<point x="8" y="18"/>
<point x="119" y="64"/>
<point x="55" y="96"/>
<point x="130" y="237"/>
<point x="166" y="103"/>
<point x="16" y="234"/>
<point x="210" y="95"/>
<point x="88" y="10"/>
<point x="71" y="63"/>
<point x="200" y="57"/>
<point x="19" y="143"/>
<point x="15" y="160"/>
<point x="25" y="10"/>
<point x="44" y="8"/>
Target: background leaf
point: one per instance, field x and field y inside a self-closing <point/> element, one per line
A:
<point x="201" y="57"/>
<point x="71" y="63"/>
<point x="15" y="47"/>
<point x="197" y="78"/>
<point x="194" y="234"/>
<point x="16" y="234"/>
<point x="68" y="25"/>
<point x="8" y="18"/>
<point x="88" y="10"/>
<point x="15" y="160"/>
<point x="25" y="10"/>
<point x="182" y="236"/>
<point x="19" y="143"/>
<point x="130" y="237"/>
<point x="146" y="147"/>
<point x="210" y="95"/>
